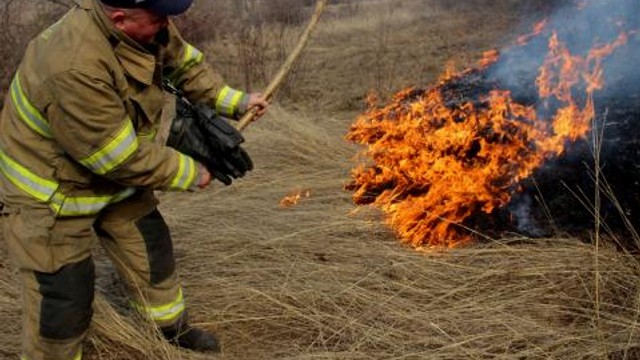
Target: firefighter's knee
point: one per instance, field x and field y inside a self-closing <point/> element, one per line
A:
<point x="157" y="239"/>
<point x="67" y="298"/>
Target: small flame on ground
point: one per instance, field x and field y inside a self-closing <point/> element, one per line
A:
<point x="294" y="197"/>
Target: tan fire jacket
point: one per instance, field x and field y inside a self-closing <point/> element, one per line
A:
<point x="85" y="104"/>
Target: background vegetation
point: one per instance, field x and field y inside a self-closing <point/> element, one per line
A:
<point x="364" y="44"/>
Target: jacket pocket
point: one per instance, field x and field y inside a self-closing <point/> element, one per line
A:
<point x="29" y="238"/>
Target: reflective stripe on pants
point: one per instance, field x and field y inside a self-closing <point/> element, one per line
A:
<point x="138" y="241"/>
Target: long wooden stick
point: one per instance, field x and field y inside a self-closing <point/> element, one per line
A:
<point x="288" y="64"/>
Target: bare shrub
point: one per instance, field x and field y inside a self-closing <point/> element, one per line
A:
<point x="20" y="20"/>
<point x="289" y="12"/>
<point x="541" y="6"/>
<point x="253" y="46"/>
<point x="251" y="37"/>
<point x="207" y="21"/>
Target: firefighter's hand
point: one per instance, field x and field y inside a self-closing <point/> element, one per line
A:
<point x="258" y="101"/>
<point x="205" y="177"/>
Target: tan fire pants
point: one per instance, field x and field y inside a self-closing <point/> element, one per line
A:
<point x="57" y="272"/>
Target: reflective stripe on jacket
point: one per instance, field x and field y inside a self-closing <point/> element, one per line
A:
<point x="85" y="104"/>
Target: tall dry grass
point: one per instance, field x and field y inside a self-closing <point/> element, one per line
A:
<point x="359" y="46"/>
<point x="318" y="281"/>
<point x="20" y="20"/>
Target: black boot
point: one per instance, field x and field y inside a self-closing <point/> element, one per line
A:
<point x="185" y="336"/>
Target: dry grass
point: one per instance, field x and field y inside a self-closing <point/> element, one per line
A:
<point x="316" y="281"/>
<point x="320" y="281"/>
<point x="386" y="45"/>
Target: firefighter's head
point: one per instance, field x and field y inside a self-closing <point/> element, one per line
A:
<point x="142" y="20"/>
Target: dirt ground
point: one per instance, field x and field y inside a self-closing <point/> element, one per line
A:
<point x="324" y="279"/>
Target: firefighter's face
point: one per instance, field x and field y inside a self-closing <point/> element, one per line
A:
<point x="139" y="24"/>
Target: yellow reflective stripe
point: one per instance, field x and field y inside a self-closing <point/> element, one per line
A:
<point x="186" y="175"/>
<point x="228" y="100"/>
<point x="27" y="112"/>
<point x="39" y="188"/>
<point x="235" y="101"/>
<point x="163" y="312"/>
<point x="190" y="58"/>
<point x="114" y="153"/>
<point x="224" y="93"/>
<point x="45" y="191"/>
<point x="86" y="205"/>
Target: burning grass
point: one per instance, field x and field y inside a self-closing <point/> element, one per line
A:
<point x="435" y="158"/>
<point x="316" y="281"/>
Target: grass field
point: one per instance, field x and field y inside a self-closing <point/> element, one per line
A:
<point x="325" y="280"/>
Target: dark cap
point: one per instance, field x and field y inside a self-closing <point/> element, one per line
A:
<point x="160" y="7"/>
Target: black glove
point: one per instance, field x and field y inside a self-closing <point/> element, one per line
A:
<point x="200" y="133"/>
<point x="224" y="139"/>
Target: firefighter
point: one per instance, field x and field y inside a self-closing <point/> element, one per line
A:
<point x="78" y="166"/>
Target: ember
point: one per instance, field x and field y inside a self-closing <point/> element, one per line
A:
<point x="436" y="159"/>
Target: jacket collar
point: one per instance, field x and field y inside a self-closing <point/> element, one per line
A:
<point x="139" y="63"/>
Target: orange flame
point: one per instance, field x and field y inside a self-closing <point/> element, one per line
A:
<point x="449" y="71"/>
<point x="488" y="58"/>
<point x="294" y="197"/>
<point x="435" y="164"/>
<point x="537" y="30"/>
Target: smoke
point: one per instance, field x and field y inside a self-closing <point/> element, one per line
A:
<point x="523" y="212"/>
<point x="581" y="27"/>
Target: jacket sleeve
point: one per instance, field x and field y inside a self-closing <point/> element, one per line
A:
<point x="89" y="121"/>
<point x="186" y="68"/>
